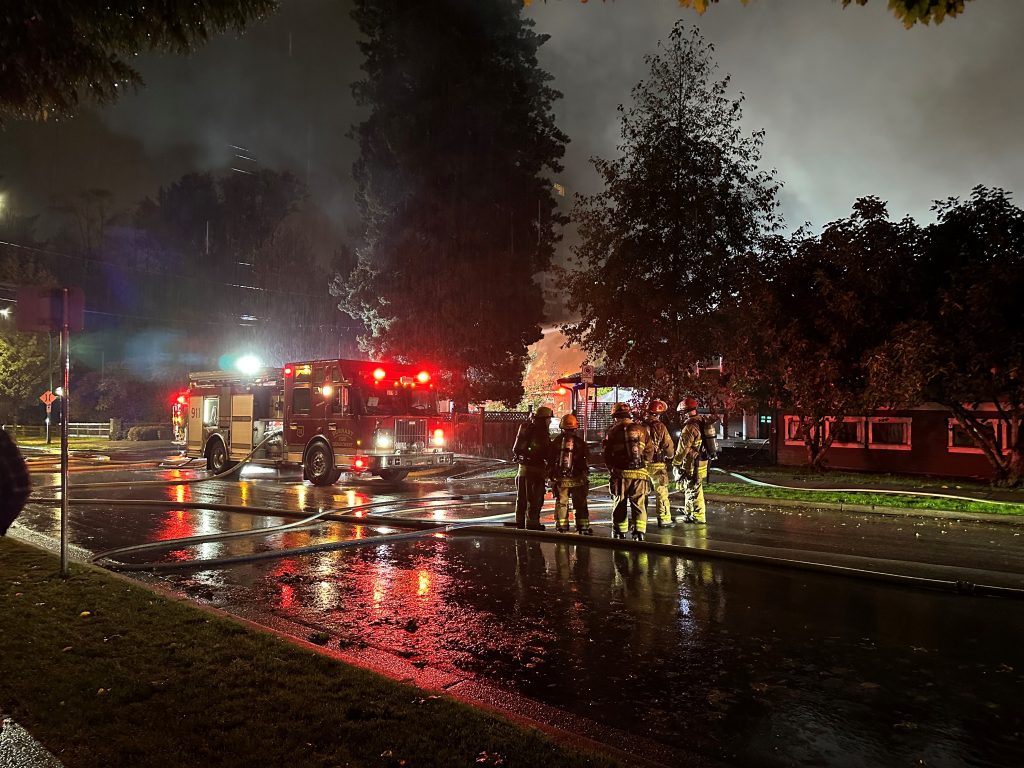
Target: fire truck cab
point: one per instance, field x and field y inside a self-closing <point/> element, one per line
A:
<point x="329" y="416"/>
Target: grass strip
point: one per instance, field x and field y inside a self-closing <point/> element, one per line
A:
<point x="103" y="672"/>
<point x="74" y="443"/>
<point x="790" y="475"/>
<point x="867" y="498"/>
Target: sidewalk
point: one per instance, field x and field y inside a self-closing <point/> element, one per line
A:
<point x="19" y="750"/>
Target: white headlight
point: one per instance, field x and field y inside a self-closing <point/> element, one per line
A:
<point x="384" y="440"/>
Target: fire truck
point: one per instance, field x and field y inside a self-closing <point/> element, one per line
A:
<point x="329" y="416"/>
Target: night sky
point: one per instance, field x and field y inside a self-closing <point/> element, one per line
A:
<point x="853" y="103"/>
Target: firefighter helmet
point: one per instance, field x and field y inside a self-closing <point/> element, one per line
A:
<point x="621" y="411"/>
<point x="689" y="404"/>
<point x="544" y="413"/>
<point x="569" y="421"/>
<point x="657" y="406"/>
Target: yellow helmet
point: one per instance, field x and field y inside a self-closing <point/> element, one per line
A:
<point x="621" y="411"/>
<point x="544" y="412"/>
<point x="569" y="421"/>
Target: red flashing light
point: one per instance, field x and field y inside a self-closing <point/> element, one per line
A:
<point x="182" y="399"/>
<point x="422" y="377"/>
<point x="438" y="434"/>
<point x="379" y="373"/>
<point x="561" y="390"/>
<point x="288" y="370"/>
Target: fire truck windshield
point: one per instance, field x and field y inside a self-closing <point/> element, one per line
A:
<point x="397" y="401"/>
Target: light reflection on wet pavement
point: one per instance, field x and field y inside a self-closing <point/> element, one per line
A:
<point x="754" y="666"/>
<point x="749" y="665"/>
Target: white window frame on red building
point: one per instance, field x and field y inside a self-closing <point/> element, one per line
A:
<point x="787" y="421"/>
<point x="857" y="421"/>
<point x="952" y="424"/>
<point x="905" y="421"/>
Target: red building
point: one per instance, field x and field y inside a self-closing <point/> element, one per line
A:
<point x="923" y="440"/>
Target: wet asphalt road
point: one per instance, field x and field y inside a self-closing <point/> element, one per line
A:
<point x="742" y="664"/>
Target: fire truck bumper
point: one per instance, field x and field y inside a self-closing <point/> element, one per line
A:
<point x="411" y="461"/>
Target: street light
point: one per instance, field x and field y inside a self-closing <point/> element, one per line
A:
<point x="249" y="364"/>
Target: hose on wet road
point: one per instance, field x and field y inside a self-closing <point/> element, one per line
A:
<point x="470" y="527"/>
<point x="346" y="515"/>
<point x="176" y="481"/>
<point x="475" y="527"/>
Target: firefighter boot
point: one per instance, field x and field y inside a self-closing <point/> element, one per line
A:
<point x="669" y="523"/>
<point x="638" y="535"/>
<point x="535" y="527"/>
<point x="562" y="527"/>
<point x="583" y="528"/>
<point x="618" y="534"/>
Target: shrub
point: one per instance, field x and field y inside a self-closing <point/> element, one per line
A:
<point x="146" y="433"/>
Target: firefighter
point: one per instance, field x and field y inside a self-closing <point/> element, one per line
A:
<point x="664" y="449"/>
<point x="569" y="469"/>
<point x="530" y="452"/>
<point x="627" y="451"/>
<point x="692" y="468"/>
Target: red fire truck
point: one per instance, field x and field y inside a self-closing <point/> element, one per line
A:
<point x="329" y="416"/>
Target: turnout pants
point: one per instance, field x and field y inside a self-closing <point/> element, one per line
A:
<point x="629" y="488"/>
<point x="530" y="488"/>
<point x="660" y="481"/>
<point x="576" y="489"/>
<point x="694" y="507"/>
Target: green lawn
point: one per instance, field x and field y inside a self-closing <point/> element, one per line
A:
<point x="877" y="499"/>
<point x="74" y="443"/>
<point x="786" y="475"/>
<point x="104" y="673"/>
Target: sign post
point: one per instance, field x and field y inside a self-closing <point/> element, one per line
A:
<point x="48" y="397"/>
<point x="65" y="346"/>
<point x="587" y="377"/>
<point x="56" y="309"/>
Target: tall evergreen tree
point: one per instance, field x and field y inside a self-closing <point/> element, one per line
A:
<point x="458" y="211"/>
<point x="683" y="205"/>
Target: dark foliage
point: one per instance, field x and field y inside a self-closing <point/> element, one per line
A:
<point x="452" y="185"/>
<point x="57" y="53"/>
<point x="663" y="245"/>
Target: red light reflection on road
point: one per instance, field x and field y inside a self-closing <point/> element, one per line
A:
<point x="176" y="524"/>
<point x="180" y="493"/>
<point x="287" y="596"/>
<point x="354" y="498"/>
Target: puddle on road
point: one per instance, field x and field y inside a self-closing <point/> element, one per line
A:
<point x="755" y="666"/>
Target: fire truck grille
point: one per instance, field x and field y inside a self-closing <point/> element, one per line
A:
<point x="409" y="432"/>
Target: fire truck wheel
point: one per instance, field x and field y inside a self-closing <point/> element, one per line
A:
<point x="394" y="475"/>
<point x="320" y="467"/>
<point x="217" y="457"/>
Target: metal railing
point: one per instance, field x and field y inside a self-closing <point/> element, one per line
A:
<point x="99" y="429"/>
<point x="75" y="429"/>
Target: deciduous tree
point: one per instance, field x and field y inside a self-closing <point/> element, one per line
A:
<point x="813" y="310"/>
<point x="962" y="344"/>
<point x="910" y="12"/>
